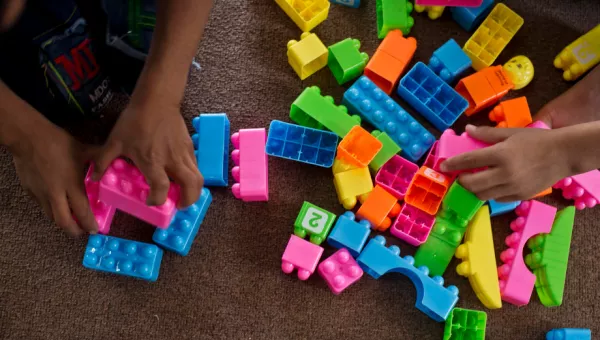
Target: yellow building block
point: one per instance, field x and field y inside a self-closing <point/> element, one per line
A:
<point x="308" y="55"/>
<point x="492" y="36"/>
<point x="479" y="259"/>
<point x="433" y="12"/>
<point x="307" y="14"/>
<point x="350" y="184"/>
<point x="580" y="56"/>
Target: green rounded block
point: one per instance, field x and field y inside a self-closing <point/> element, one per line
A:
<point x="314" y="221"/>
<point x="393" y="14"/>
<point x="389" y="149"/>
<point x="459" y="205"/>
<point x="465" y="324"/>
<point x="345" y="60"/>
<point x="437" y="252"/>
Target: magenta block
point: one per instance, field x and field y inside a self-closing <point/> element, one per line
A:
<point x="538" y="124"/>
<point x="449" y="3"/>
<point x="302" y="255"/>
<point x="340" y="271"/>
<point x="251" y="170"/>
<point x="123" y="186"/>
<point x="395" y="176"/>
<point x="583" y="188"/>
<point x="451" y="145"/>
<point x="103" y="213"/>
<point x="412" y="225"/>
<point x="431" y="156"/>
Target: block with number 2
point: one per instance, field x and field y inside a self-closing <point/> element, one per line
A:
<point x="313" y="221"/>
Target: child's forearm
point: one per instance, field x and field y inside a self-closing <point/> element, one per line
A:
<point x="581" y="146"/>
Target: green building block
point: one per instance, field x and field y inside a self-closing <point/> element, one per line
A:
<point x="465" y="324"/>
<point x="313" y="110"/>
<point x="345" y="60"/>
<point x="389" y="149"/>
<point x="313" y="221"/>
<point x="459" y="204"/>
<point x="550" y="256"/>
<point x="393" y="14"/>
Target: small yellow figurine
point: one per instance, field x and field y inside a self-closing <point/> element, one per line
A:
<point x="520" y="70"/>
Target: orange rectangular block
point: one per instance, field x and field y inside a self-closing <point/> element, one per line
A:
<point x="379" y="208"/>
<point x="359" y="147"/>
<point x="484" y="88"/>
<point x="427" y="190"/>
<point x="512" y="113"/>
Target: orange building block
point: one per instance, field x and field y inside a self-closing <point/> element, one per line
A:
<point x="389" y="61"/>
<point x="543" y="193"/>
<point x="512" y="113"/>
<point x="427" y="189"/>
<point x="484" y="88"/>
<point x="379" y="208"/>
<point x="359" y="147"/>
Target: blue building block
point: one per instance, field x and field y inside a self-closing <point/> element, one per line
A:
<point x="350" y="234"/>
<point x="432" y="298"/>
<point x="180" y="234"/>
<point x="212" y="148"/>
<point x="301" y="144"/>
<point x="469" y="18"/>
<point x="376" y="107"/>
<point x="449" y="61"/>
<point x="349" y="3"/>
<point x="435" y="100"/>
<point x="569" y="334"/>
<point x="124" y="257"/>
<point x="502" y="208"/>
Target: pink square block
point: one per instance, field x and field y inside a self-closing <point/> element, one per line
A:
<point x="395" y="176"/>
<point x="450" y="3"/>
<point x="251" y="170"/>
<point x="103" y="213"/>
<point x="302" y="255"/>
<point x="451" y="145"/>
<point x="123" y="186"/>
<point x="340" y="271"/>
<point x="412" y="225"/>
<point x="583" y="188"/>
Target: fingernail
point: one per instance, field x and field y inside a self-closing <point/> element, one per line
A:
<point x="443" y="167"/>
<point x="470" y="127"/>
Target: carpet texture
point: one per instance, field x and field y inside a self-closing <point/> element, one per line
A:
<point x="231" y="285"/>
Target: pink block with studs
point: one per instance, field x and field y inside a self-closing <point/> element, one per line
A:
<point x="251" y="170"/>
<point x="516" y="281"/>
<point x="450" y="3"/>
<point x="583" y="188"/>
<point x="103" y="213"/>
<point x="395" y="176"/>
<point x="451" y="145"/>
<point x="123" y="186"/>
<point x="340" y="271"/>
<point x="412" y="225"/>
<point x="302" y="255"/>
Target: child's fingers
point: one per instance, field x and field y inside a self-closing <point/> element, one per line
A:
<point x="490" y="135"/>
<point x="62" y="215"/>
<point x="157" y="178"/>
<point x="482" y="180"/>
<point x="81" y="208"/>
<point x="104" y="157"/>
<point x="471" y="160"/>
<point x="190" y="181"/>
<point x="494" y="193"/>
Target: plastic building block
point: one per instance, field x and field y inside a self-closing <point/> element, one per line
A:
<point x="314" y="221"/>
<point x="313" y="110"/>
<point x="431" y="158"/>
<point x="580" y="56"/>
<point x="433" y="12"/>
<point x="388" y="150"/>
<point x="123" y="186"/>
<point x="412" y="225"/>
<point x="349" y="234"/>
<point x="479" y="260"/>
<point x="484" y="88"/>
<point x="340" y="271"/>
<point x="366" y="99"/>
<point x="520" y="70"/>
<point x="465" y="324"/>
<point x="251" y="170"/>
<point x="212" y="148"/>
<point x="569" y="334"/>
<point x="124" y="257"/>
<point x="431" y="96"/>
<point x="516" y="281"/>
<point x="390" y="59"/>
<point x="349" y="3"/>
<point x="462" y="3"/>
<point x="451" y="145"/>
<point x="469" y="18"/>
<point x="449" y="61"/>
<point x="307" y="14"/>
<point x="351" y="184"/>
<point x="432" y="298"/>
<point x="497" y="208"/>
<point x="103" y="213"/>
<point x="393" y="14"/>
<point x="302" y="144"/>
<point x="308" y="55"/>
<point x="340" y="166"/>
<point x="492" y="36"/>
<point x="538" y="124"/>
<point x="459" y="205"/>
<point x="426" y="190"/>
<point x="395" y="176"/>
<point x="302" y="255"/>
<point x="583" y="188"/>
<point x="512" y="113"/>
<point x="379" y="208"/>
<point x="180" y="234"/>
<point x="358" y="147"/>
<point x="345" y="60"/>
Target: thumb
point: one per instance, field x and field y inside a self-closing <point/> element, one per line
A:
<point x="103" y="157"/>
<point x="490" y="135"/>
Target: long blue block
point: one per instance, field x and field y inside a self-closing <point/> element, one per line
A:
<point x="349" y="3"/>
<point x="449" y="61"/>
<point x="569" y="334"/>
<point x="435" y="100"/>
<point x="432" y="298"/>
<point x="302" y="144"/>
<point x="212" y="148"/>
<point x="469" y="18"/>
<point x="350" y="234"/>
<point x="124" y="257"/>
<point x="381" y="111"/>
<point x="182" y="231"/>
<point x="502" y="208"/>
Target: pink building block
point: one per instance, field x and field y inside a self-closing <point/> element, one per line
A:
<point x="516" y="281"/>
<point x="302" y="255"/>
<point x="251" y="170"/>
<point x="431" y="156"/>
<point x="449" y="3"/>
<point x="103" y="213"/>
<point x="123" y="186"/>
<point x="583" y="188"/>
<point x="538" y="124"/>
<point x="451" y="145"/>
<point x="395" y="176"/>
<point x="340" y="271"/>
<point x="412" y="225"/>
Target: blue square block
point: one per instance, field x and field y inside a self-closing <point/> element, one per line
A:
<point x="449" y="61"/>
<point x="381" y="111"/>
<point x="124" y="257"/>
<point x="569" y="334"/>
<point x="212" y="148"/>
<point x="435" y="100"/>
<point x="349" y="234"/>
<point x="302" y="144"/>
<point x="502" y="208"/>
<point x="349" y="3"/>
<point x="469" y="18"/>
<point x="180" y="234"/>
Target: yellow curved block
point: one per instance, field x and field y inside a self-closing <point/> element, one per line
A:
<point x="479" y="260"/>
<point x="580" y="56"/>
<point x="433" y="12"/>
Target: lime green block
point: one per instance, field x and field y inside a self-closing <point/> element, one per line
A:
<point x="465" y="324"/>
<point x="393" y="14"/>
<point x="437" y="252"/>
<point x="550" y="256"/>
<point x="345" y="60"/>
<point x="459" y="205"/>
<point x="389" y="149"/>
<point x="314" y="221"/>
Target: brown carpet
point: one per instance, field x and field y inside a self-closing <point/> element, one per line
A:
<point x="231" y="285"/>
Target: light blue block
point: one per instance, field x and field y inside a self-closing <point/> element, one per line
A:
<point x="569" y="334"/>
<point x="182" y="231"/>
<point x="212" y="148"/>
<point x="502" y="208"/>
<point x="432" y="298"/>
<point x="124" y="257"/>
<point x="350" y="234"/>
<point x="435" y="100"/>
<point x="470" y="18"/>
<point x="349" y="3"/>
<point x="449" y="61"/>
<point x="381" y="111"/>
